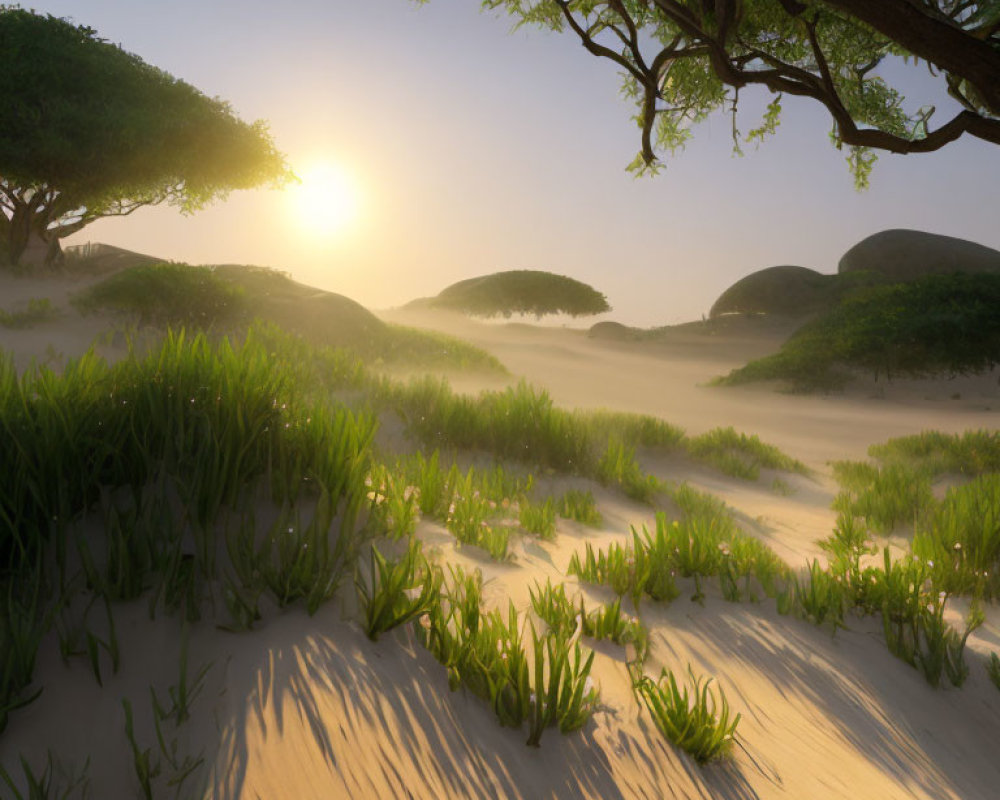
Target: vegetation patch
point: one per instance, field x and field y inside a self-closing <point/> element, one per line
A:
<point x="168" y="294"/>
<point x="971" y="453"/>
<point x="37" y="310"/>
<point x="231" y="296"/>
<point x="739" y="455"/>
<point x="941" y="324"/>
<point x="885" y="497"/>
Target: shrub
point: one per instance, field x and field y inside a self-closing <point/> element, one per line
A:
<point x="938" y="324"/>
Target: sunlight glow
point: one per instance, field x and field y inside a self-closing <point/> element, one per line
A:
<point x="327" y="201"/>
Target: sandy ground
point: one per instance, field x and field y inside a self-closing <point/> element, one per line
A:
<point x="309" y="708"/>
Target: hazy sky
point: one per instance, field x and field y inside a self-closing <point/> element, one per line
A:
<point x="474" y="149"/>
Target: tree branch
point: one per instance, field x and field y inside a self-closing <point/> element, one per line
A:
<point x="941" y="42"/>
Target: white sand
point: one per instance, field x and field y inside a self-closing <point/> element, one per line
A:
<point x="309" y="708"/>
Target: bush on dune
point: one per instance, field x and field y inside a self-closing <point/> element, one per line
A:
<point x="168" y="294"/>
<point x="522" y="291"/>
<point x="942" y="324"/>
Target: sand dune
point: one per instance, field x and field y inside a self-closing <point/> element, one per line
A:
<point x="308" y="707"/>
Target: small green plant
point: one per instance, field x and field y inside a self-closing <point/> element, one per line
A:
<point x="884" y="497"/>
<point x="397" y="592"/>
<point x="546" y="684"/>
<point x="21" y="630"/>
<point x="562" y="692"/>
<point x="96" y="644"/>
<point x="395" y="503"/>
<point x="579" y="506"/>
<point x="146" y="768"/>
<point x="539" y="518"/>
<point x="54" y="783"/>
<point x="183" y="694"/>
<point x="698" y="547"/>
<point x="469" y="518"/>
<point x="961" y="537"/>
<point x="821" y="597"/>
<point x="617" y="567"/>
<point x="435" y="485"/>
<point x="563" y="617"/>
<point x="296" y="560"/>
<point x="38" y="310"/>
<point x="618" y="467"/>
<point x="695" y="720"/>
<point x="848" y="544"/>
<point x="993" y="669"/>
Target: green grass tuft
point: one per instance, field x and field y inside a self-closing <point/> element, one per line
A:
<point x="739" y="455"/>
<point x="693" y="717"/>
<point x="38" y="310"/>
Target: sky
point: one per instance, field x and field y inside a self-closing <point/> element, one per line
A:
<point x="462" y="148"/>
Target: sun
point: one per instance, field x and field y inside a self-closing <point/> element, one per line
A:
<point x="327" y="200"/>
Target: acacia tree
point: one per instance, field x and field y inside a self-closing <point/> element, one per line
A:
<point x="682" y="59"/>
<point x="88" y="130"/>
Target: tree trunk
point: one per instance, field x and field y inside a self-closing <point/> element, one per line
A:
<point x="26" y="242"/>
<point x="18" y="235"/>
<point x="54" y="252"/>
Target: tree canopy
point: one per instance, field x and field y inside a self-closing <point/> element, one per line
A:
<point x="683" y="59"/>
<point x="521" y="291"/>
<point x="88" y="130"/>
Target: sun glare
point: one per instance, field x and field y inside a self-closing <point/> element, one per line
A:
<point x="326" y="202"/>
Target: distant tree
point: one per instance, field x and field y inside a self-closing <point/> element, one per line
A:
<point x="522" y="291"/>
<point x="88" y="130"/>
<point x="682" y="59"/>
